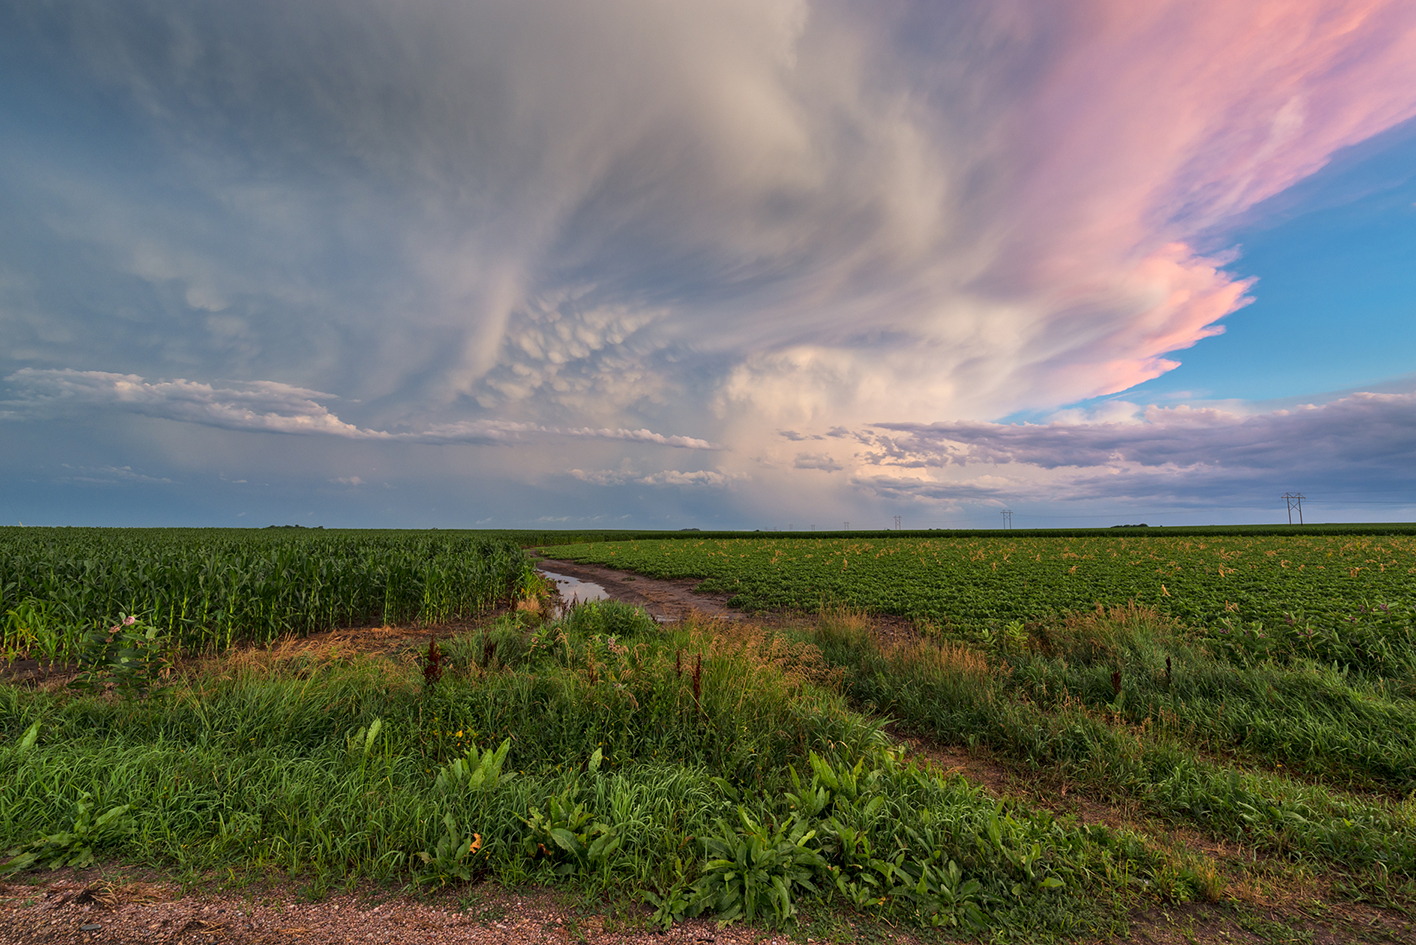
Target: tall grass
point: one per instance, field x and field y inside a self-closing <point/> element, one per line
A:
<point x="1325" y="720"/>
<point x="956" y="695"/>
<point x="633" y="752"/>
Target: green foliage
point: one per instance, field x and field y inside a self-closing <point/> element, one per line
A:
<point x="208" y="588"/>
<point x="609" y="618"/>
<point x="566" y="834"/>
<point x="32" y="629"/>
<point x="355" y="769"/>
<point x="1331" y="597"/>
<point x="475" y="771"/>
<point x="453" y="854"/>
<point x="130" y="656"/>
<point x="955" y="697"/>
<point x="72" y="847"/>
<point x="757" y="871"/>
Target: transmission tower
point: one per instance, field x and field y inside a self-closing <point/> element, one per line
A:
<point x="897" y="523"/>
<point x="1007" y="518"/>
<point x="1295" y="501"/>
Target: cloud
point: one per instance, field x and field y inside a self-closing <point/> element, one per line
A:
<point x="669" y="477"/>
<point x="960" y="207"/>
<point x="108" y="475"/>
<point x="257" y="405"/>
<point x="1363" y="428"/>
<point x="762" y="221"/>
<point x="1360" y="443"/>
<point x="986" y="489"/>
<point x="266" y="406"/>
<point x="819" y="461"/>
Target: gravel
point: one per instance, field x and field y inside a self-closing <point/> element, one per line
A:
<point x="81" y="908"/>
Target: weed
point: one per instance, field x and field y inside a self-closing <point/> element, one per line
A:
<point x="131" y="656"/>
<point x="72" y="847"/>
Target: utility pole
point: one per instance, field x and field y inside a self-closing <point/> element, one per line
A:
<point x="897" y="523"/>
<point x="1295" y="501"/>
<point x="1007" y="518"/>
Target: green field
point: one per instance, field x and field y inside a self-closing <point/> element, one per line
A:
<point x="1235" y="714"/>
<point x="209" y="588"/>
<point x="1343" y="598"/>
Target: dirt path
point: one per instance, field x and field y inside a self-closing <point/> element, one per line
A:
<point x="76" y="907"/>
<point x="665" y="600"/>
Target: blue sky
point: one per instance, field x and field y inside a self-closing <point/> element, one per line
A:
<point x="740" y="264"/>
<point x="1336" y="249"/>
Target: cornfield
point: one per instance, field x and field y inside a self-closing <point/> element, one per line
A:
<point x="210" y="588"/>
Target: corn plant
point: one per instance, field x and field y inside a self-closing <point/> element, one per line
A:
<point x="34" y="629"/>
<point x="209" y="588"/>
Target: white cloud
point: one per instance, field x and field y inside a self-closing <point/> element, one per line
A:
<point x="668" y="477"/>
<point x="267" y="406"/>
<point x="554" y="204"/>
<point x="108" y="475"/>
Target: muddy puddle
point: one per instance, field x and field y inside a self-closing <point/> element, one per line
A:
<point x="665" y="600"/>
<point x="573" y="588"/>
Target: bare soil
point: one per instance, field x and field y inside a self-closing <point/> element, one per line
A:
<point x="100" y="906"/>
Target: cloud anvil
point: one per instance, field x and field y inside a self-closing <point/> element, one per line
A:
<point x="610" y="235"/>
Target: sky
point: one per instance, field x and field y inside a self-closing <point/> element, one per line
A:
<point x="732" y="264"/>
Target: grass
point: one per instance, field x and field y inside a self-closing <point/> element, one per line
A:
<point x="1097" y="722"/>
<point x="640" y="761"/>
<point x="745" y="772"/>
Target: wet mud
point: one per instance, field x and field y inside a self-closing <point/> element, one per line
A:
<point x="665" y="600"/>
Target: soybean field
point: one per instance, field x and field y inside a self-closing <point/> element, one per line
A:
<point x="209" y="588"/>
<point x="1307" y="593"/>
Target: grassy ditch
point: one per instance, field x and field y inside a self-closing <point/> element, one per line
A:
<point x="1126" y="704"/>
<point x="698" y="770"/>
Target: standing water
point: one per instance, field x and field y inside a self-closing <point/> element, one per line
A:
<point x="575" y="589"/>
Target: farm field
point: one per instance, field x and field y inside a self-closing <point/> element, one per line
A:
<point x="1303" y="595"/>
<point x="1061" y="771"/>
<point x="206" y="589"/>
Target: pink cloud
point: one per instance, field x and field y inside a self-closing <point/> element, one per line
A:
<point x="1158" y="120"/>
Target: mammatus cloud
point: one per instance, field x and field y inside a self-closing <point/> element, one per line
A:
<point x="265" y="406"/>
<point x="962" y="209"/>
